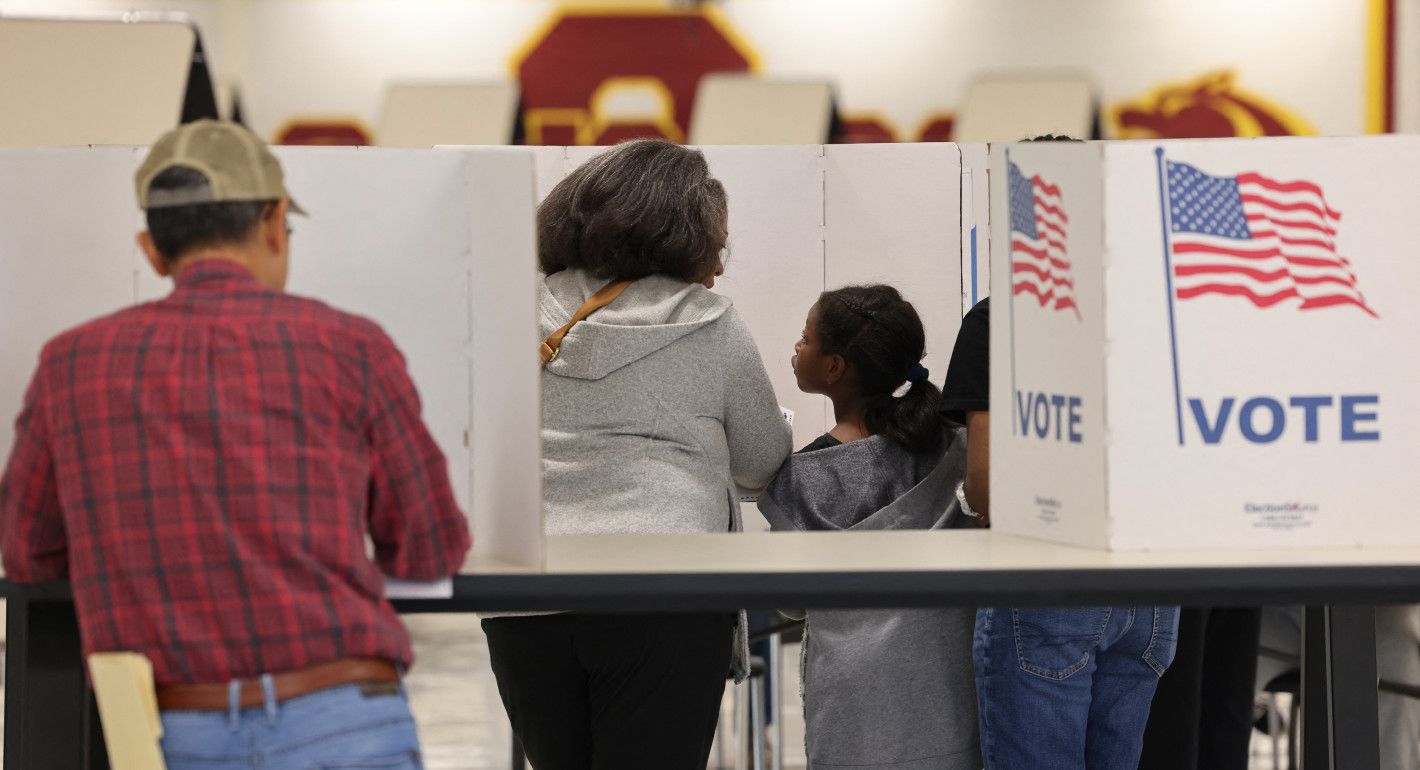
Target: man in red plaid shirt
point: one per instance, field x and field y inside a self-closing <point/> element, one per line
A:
<point x="205" y="470"/>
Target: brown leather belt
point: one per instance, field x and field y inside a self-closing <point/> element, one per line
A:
<point x="289" y="684"/>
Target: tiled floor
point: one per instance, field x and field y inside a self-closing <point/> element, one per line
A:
<point x="461" y="721"/>
<point x="454" y="698"/>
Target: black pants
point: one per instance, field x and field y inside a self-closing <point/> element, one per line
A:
<point x="1201" y="718"/>
<point x="613" y="692"/>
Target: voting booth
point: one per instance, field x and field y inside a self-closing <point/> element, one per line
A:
<point x="425" y="114"/>
<point x="119" y="80"/>
<point x="735" y="108"/>
<point x="1012" y="107"/>
<point x="435" y="246"/>
<point x="1206" y="344"/>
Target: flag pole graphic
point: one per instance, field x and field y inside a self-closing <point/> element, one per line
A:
<point x="1168" y="284"/>
<point x="1011" y="295"/>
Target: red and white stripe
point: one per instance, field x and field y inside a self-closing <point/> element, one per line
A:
<point x="1291" y="256"/>
<point x="1041" y="267"/>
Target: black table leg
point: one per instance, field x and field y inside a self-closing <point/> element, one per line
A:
<point x="1315" y="751"/>
<point x="1355" y="725"/>
<point x="47" y="701"/>
<point x="1340" y="726"/>
<point x="16" y="664"/>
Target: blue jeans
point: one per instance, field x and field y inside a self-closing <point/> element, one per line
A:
<point x="1069" y="688"/>
<point x="339" y="728"/>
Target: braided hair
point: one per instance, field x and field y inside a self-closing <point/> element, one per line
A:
<point x="880" y="335"/>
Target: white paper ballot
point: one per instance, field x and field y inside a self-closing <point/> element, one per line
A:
<point x="416" y="589"/>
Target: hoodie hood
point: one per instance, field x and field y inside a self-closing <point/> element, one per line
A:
<point x="652" y="313"/>
<point x="869" y="484"/>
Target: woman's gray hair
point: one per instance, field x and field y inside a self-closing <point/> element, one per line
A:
<point x="645" y="207"/>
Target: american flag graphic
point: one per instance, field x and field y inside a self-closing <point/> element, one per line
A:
<point x="1250" y="236"/>
<point x="1040" y="265"/>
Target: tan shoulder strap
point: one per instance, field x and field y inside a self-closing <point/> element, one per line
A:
<point x="604" y="296"/>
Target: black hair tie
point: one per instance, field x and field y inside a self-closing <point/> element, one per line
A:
<point x="917" y="373"/>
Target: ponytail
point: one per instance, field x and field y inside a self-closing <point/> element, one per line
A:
<point x="880" y="335"/>
<point x="911" y="419"/>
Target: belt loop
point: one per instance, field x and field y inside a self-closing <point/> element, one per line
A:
<point x="268" y="689"/>
<point x="234" y="704"/>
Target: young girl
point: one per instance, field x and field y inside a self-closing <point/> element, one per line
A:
<point x="882" y="688"/>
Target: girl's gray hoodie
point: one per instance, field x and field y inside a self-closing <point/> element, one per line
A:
<point x="889" y="689"/>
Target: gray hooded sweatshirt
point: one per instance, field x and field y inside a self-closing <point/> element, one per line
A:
<point x="654" y="409"/>
<point x="890" y="689"/>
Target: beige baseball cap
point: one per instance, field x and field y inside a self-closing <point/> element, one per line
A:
<point x="237" y="164"/>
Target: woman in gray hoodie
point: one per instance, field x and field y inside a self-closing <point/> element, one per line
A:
<point x="654" y="408"/>
<point x="890" y="689"/>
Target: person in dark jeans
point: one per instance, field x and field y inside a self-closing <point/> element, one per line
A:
<point x="1057" y="688"/>
<point x="1202" y="717"/>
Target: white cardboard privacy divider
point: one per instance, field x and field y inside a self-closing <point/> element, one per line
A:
<point x="1228" y="381"/>
<point x="88" y="81"/>
<point x="734" y="108"/>
<point x="67" y="253"/>
<point x="893" y="215"/>
<point x="409" y="238"/>
<point x="1008" y="108"/>
<point x="975" y="224"/>
<point x="777" y="258"/>
<point x="424" y="114"/>
<point x="506" y="380"/>
<point x="550" y="165"/>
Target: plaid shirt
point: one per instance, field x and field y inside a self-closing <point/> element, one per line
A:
<point x="204" y="470"/>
